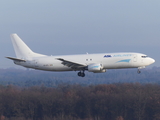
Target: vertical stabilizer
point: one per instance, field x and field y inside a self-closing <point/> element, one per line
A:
<point x="21" y="49"/>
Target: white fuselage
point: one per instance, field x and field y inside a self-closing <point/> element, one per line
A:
<point x="107" y="60"/>
<point x="96" y="63"/>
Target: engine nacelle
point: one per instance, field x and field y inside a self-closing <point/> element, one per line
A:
<point x="96" y="68"/>
<point x="101" y="71"/>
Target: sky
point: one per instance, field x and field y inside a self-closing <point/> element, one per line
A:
<point x="61" y="27"/>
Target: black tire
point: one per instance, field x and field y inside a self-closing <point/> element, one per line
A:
<point x="79" y="74"/>
<point x="138" y="71"/>
<point x="82" y="74"/>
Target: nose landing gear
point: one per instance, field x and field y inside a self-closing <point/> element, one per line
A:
<point x="138" y="71"/>
<point x="81" y="74"/>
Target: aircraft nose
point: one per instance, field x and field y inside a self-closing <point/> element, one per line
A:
<point x="152" y="60"/>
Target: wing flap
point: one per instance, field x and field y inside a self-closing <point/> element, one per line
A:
<point x="71" y="64"/>
<point x="16" y="59"/>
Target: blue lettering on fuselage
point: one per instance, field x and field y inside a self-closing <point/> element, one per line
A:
<point x="123" y="55"/>
<point x="106" y="56"/>
<point x="119" y="55"/>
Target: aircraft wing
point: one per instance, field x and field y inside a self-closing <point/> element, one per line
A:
<point x="16" y="59"/>
<point x="71" y="64"/>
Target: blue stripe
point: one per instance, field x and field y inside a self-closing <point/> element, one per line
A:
<point x="126" y="60"/>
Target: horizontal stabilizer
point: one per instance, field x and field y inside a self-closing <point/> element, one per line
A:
<point x="16" y="59"/>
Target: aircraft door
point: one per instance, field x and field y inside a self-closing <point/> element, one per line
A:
<point x="135" y="58"/>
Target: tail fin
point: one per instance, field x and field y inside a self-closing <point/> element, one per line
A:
<point x="21" y="49"/>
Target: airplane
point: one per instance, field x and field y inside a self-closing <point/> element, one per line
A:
<point x="96" y="63"/>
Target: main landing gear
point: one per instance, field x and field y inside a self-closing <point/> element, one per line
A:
<point x="81" y="74"/>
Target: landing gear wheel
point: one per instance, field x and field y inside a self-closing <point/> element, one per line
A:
<point x="138" y="71"/>
<point x="81" y="74"/>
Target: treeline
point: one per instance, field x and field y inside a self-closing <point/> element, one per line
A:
<point x="125" y="101"/>
<point x="27" y="78"/>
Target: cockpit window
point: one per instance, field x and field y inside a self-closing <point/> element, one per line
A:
<point x="144" y="56"/>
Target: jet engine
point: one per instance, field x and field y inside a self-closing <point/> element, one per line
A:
<point x="96" y="68"/>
